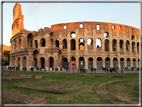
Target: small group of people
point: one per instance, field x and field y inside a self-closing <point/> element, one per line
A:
<point x="111" y="69"/>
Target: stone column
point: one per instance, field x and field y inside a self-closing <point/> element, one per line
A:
<point x="60" y="44"/>
<point x="119" y="63"/>
<point x="77" y="44"/>
<point x="111" y="62"/>
<point x="94" y="62"/>
<point x="86" y="62"/>
<point x="103" y="62"/>
<point x="118" y="47"/>
<point x="21" y="62"/>
<point x="110" y="45"/>
<point x="77" y="62"/>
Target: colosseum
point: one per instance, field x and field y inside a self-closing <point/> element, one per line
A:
<point x="74" y="45"/>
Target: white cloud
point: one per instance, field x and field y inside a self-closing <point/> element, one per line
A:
<point x="115" y="5"/>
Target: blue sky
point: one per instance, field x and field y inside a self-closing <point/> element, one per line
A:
<point x="40" y="15"/>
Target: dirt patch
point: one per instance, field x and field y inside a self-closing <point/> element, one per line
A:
<point x="9" y="76"/>
<point x="101" y="90"/>
<point x="15" y="98"/>
<point x="50" y="89"/>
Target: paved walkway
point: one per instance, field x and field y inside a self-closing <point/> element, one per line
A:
<point x="88" y="71"/>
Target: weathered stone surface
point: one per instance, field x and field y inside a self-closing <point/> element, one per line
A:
<point x="14" y="98"/>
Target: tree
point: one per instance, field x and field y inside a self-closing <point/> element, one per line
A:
<point x="6" y="54"/>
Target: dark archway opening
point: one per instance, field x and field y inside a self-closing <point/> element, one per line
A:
<point x="99" y="63"/>
<point x="81" y="62"/>
<point x="107" y="62"/>
<point x="90" y="63"/>
<point x="42" y="60"/>
<point x="122" y="63"/>
<point x="51" y="62"/>
<point x="73" y="44"/>
<point x="64" y="44"/>
<point x="115" y="62"/>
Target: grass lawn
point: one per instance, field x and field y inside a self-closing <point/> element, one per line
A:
<point x="85" y="94"/>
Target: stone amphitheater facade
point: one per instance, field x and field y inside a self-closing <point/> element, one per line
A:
<point x="75" y="44"/>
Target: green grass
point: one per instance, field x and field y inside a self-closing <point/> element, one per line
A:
<point x="84" y="94"/>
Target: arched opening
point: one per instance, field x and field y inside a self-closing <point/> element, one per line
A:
<point x="73" y="34"/>
<point x="106" y="34"/>
<point x="127" y="45"/>
<point x="51" y="34"/>
<point x="42" y="42"/>
<point x="99" y="63"/>
<point x="57" y="43"/>
<point x="64" y="44"/>
<point x="35" y="62"/>
<point x="90" y="63"/>
<point x="106" y="45"/>
<point x="98" y="43"/>
<point x="30" y="39"/>
<point x="133" y="47"/>
<point x="73" y="62"/>
<point x="51" y="62"/>
<point x="90" y="43"/>
<point x="128" y="62"/>
<point x="122" y="63"/>
<point x="42" y="62"/>
<point x="114" y="45"/>
<point x="73" y="44"/>
<point x="24" y="62"/>
<point x="36" y="44"/>
<point x="121" y="45"/>
<point x="81" y="62"/>
<point x="35" y="54"/>
<point x="138" y="47"/>
<point x="107" y="62"/>
<point x="18" y="62"/>
<point x="14" y="46"/>
<point x="81" y="44"/>
<point x="132" y="37"/>
<point x="115" y="62"/>
<point x="134" y="63"/>
<point x="19" y="43"/>
<point x="65" y="63"/>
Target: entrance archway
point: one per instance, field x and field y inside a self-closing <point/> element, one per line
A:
<point x="24" y="61"/>
<point x="42" y="61"/>
<point x="90" y="63"/>
<point x="122" y="63"/>
<point x="51" y="62"/>
<point x="128" y="62"/>
<point x="134" y="63"/>
<point x="99" y="63"/>
<point x="115" y="62"/>
<point x="107" y="62"/>
<point x="73" y="62"/>
<point x="35" y="62"/>
<point x="18" y="62"/>
<point x="65" y="63"/>
<point x="81" y="62"/>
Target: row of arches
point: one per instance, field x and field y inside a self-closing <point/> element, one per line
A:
<point x="81" y="62"/>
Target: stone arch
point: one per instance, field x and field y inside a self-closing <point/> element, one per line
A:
<point x="106" y="34"/>
<point x="73" y="62"/>
<point x="114" y="45"/>
<point x="65" y="63"/>
<point x="57" y="43"/>
<point x="90" y="43"/>
<point x="122" y="63"/>
<point x="73" y="44"/>
<point x="73" y="34"/>
<point x="81" y="44"/>
<point x="127" y="45"/>
<point x="107" y="62"/>
<point x="24" y="61"/>
<point x="121" y="45"/>
<point x="98" y="43"/>
<point x="51" y="34"/>
<point x="81" y="62"/>
<point x="42" y="42"/>
<point x="115" y="62"/>
<point x="106" y="45"/>
<point x="133" y="47"/>
<point x="51" y="62"/>
<point x="18" y="61"/>
<point x="128" y="62"/>
<point x="132" y="37"/>
<point x="35" y="54"/>
<point x="134" y="63"/>
<point x="90" y="63"/>
<point x="19" y="43"/>
<point x="42" y="62"/>
<point x="99" y="63"/>
<point x="36" y="43"/>
<point x="64" y="44"/>
<point x="30" y="39"/>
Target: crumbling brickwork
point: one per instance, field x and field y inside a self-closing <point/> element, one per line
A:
<point x="77" y="45"/>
